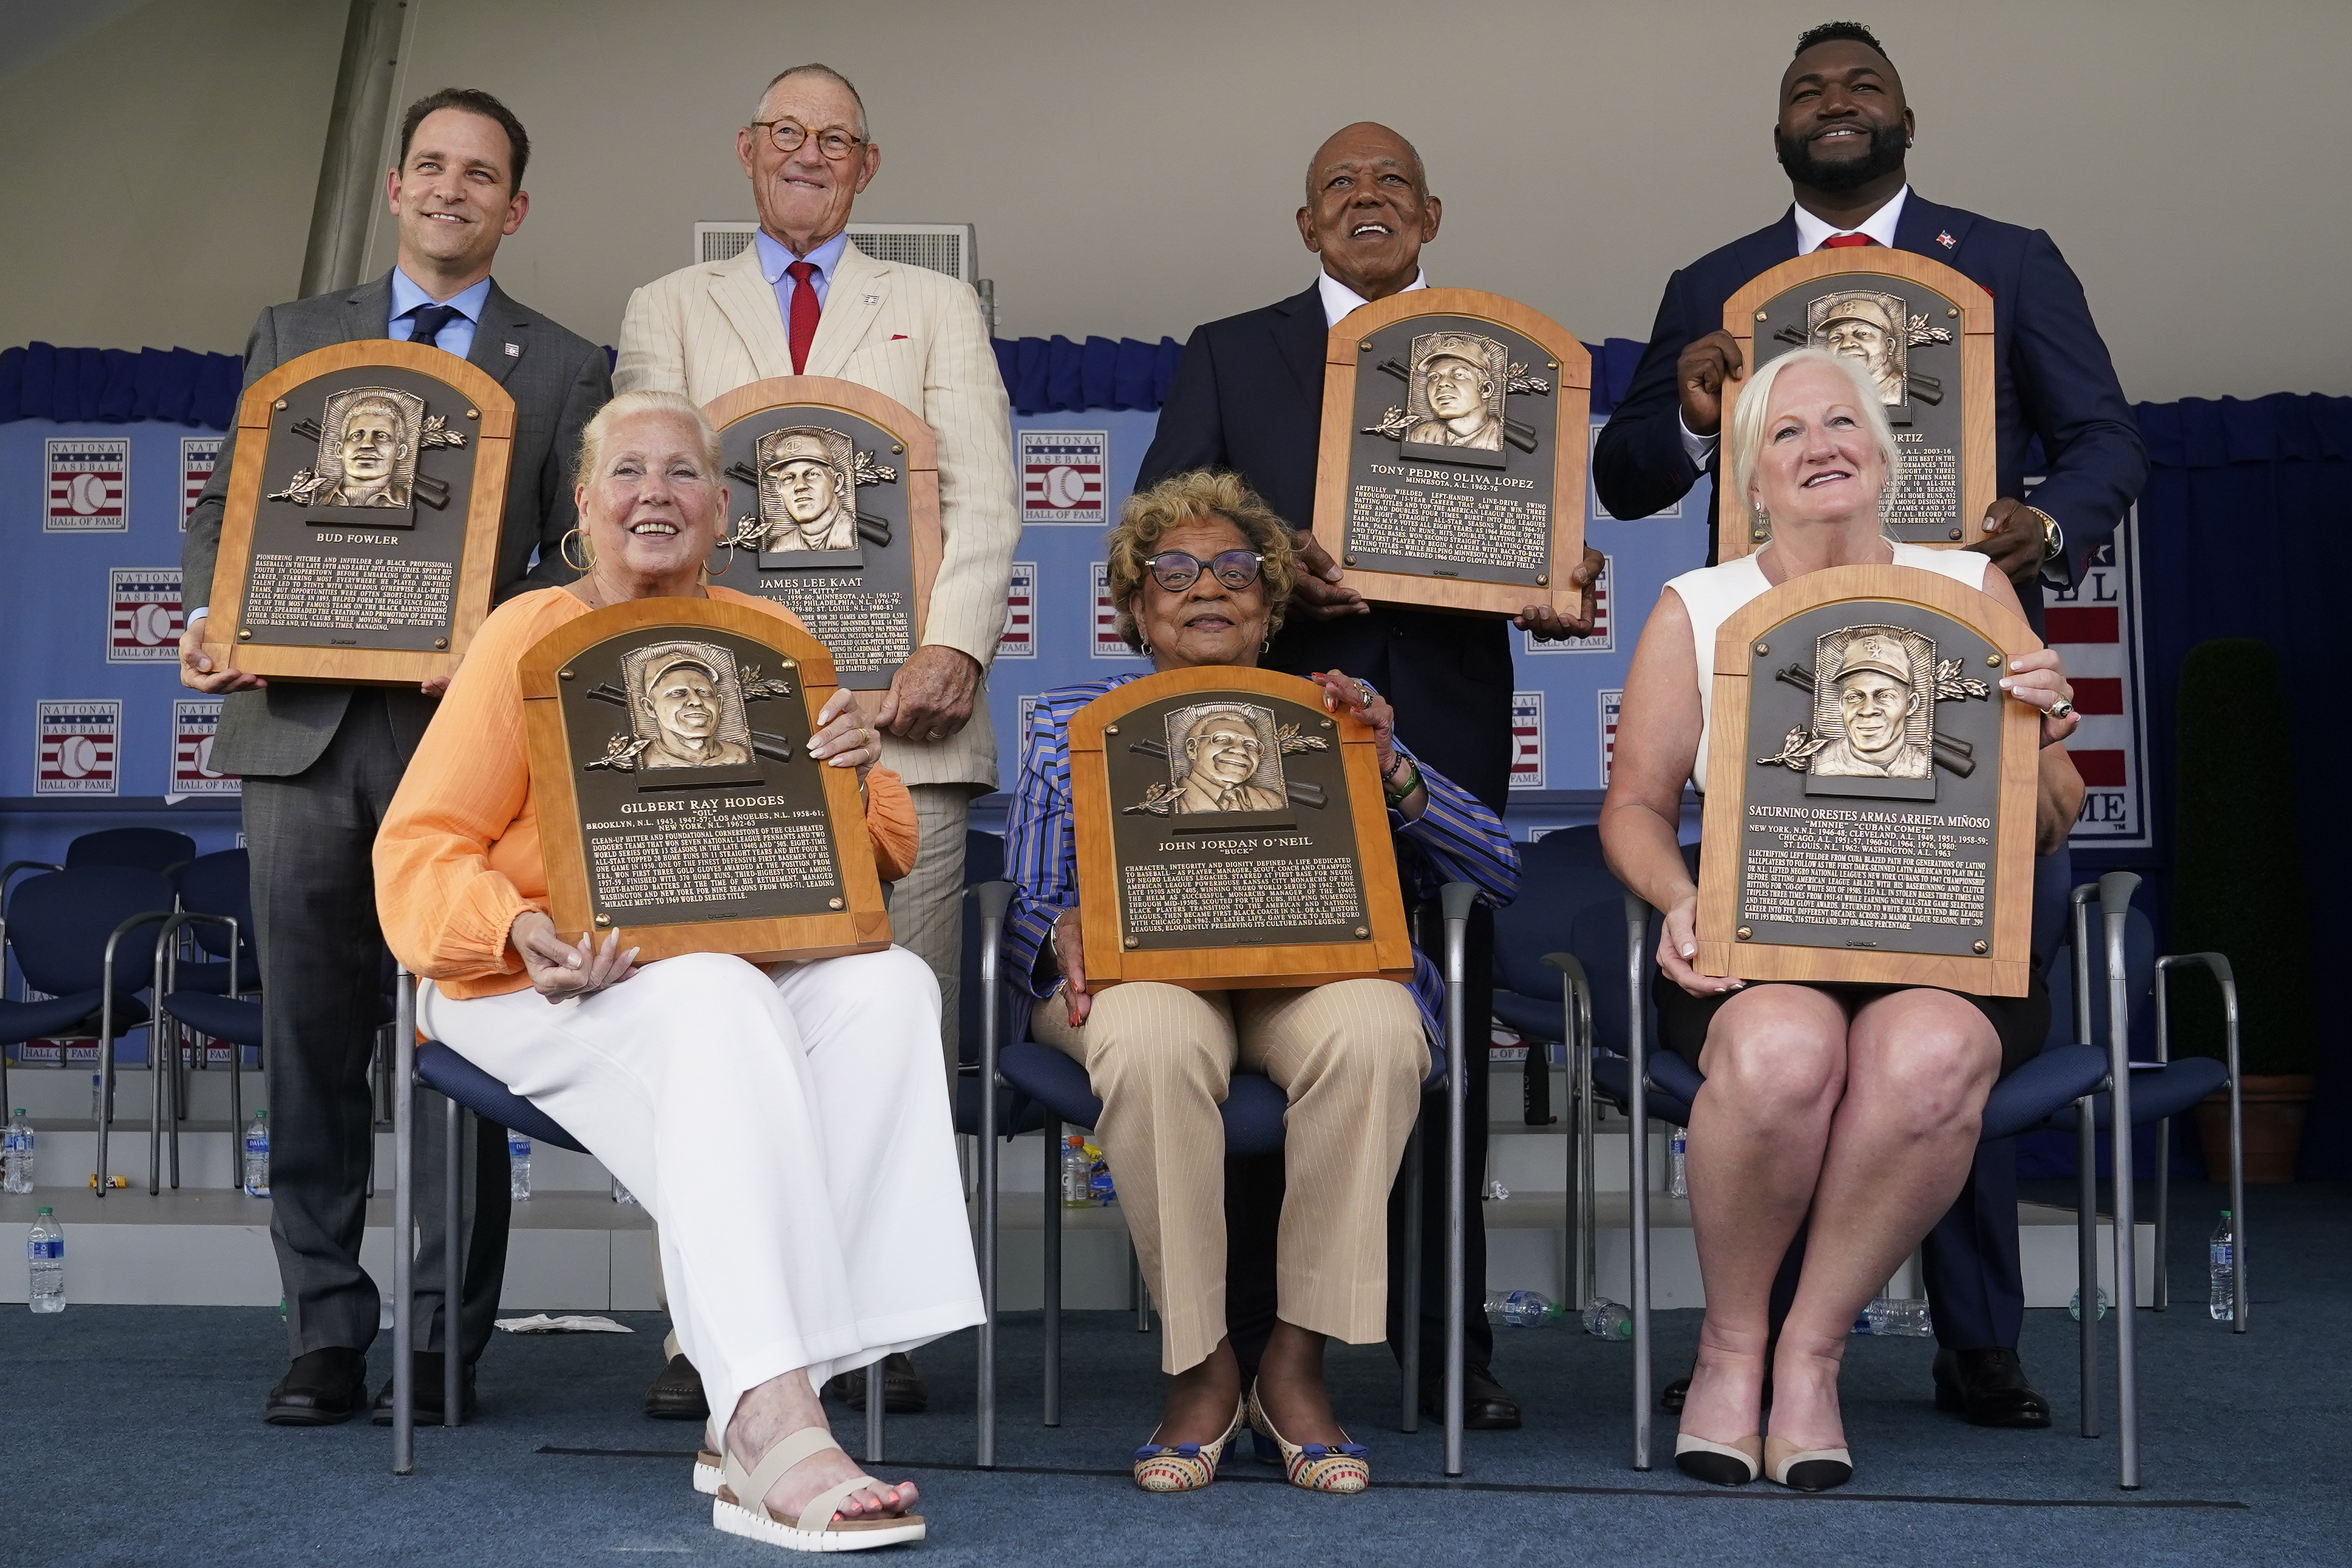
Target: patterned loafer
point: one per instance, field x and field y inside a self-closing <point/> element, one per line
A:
<point x="1313" y="1467"/>
<point x="1183" y="1467"/>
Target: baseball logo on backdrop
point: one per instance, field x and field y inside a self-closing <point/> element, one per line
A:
<point x="88" y="485"/>
<point x="199" y="456"/>
<point x="193" y="722"/>
<point x="1019" y="638"/>
<point x="1604" y="625"/>
<point x="143" y="618"/>
<point x="1612" y="703"/>
<point x="1526" y="740"/>
<point x="1063" y="476"/>
<point x="1108" y="643"/>
<point x="2095" y="626"/>
<point x="78" y="747"/>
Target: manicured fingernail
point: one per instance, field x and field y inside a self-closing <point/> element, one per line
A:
<point x="1688" y="950"/>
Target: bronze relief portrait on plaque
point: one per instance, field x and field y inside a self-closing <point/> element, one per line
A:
<point x="687" y="724"/>
<point x="1456" y="395"/>
<point x="369" y="438"/>
<point x="1874" y="690"/>
<point x="1225" y="757"/>
<point x="808" y="489"/>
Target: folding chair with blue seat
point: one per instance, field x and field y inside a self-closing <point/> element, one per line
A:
<point x="2023" y="1099"/>
<point x="1253" y="1116"/>
<point x="207" y="991"/>
<point x="65" y="929"/>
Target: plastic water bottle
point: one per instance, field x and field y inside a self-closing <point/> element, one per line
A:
<point x="1098" y="1182"/>
<point x="97" y="1098"/>
<point x="1607" y="1319"/>
<point x="257" y="1155"/>
<point x="1077" y="1174"/>
<point x="518" y="1166"/>
<point x="2222" y="1257"/>
<point x="2074" y="1307"/>
<point x="1522" y="1309"/>
<point x="17" y="1159"/>
<point x="1678" y="1163"/>
<point x="45" y="1253"/>
<point x="1899" y="1316"/>
<point x="621" y="1195"/>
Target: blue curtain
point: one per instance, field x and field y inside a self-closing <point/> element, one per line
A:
<point x="115" y="385"/>
<point x="2246" y="531"/>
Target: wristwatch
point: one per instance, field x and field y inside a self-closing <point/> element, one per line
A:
<point x="2053" y="537"/>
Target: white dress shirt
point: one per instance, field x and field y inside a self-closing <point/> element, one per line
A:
<point x="1811" y="234"/>
<point x="1339" y="300"/>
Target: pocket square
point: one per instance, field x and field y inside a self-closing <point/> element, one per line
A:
<point x="897" y="337"/>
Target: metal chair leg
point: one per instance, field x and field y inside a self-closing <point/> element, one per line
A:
<point x="1637" y="1166"/>
<point x="452" y="1174"/>
<point x="1409" y="1314"/>
<point x="2086" y="1258"/>
<point x="873" y="1412"/>
<point x="2115" y="904"/>
<point x="404" y="1221"/>
<point x="1456" y="898"/>
<point x="1050" y="1275"/>
<point x="993" y="898"/>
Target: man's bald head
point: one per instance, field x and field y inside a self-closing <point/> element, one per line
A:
<point x="1369" y="210"/>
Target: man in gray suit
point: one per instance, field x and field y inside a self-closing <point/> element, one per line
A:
<point x="321" y="763"/>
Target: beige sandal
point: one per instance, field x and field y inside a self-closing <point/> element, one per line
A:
<point x="816" y="1530"/>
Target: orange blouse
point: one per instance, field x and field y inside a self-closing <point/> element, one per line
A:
<point x="458" y="857"/>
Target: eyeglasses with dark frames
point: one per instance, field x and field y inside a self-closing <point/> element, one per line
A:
<point x="788" y="135"/>
<point x="1176" y="571"/>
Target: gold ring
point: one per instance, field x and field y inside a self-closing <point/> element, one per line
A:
<point x="2062" y="709"/>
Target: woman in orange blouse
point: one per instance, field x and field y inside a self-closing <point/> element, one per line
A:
<point x="789" y="1128"/>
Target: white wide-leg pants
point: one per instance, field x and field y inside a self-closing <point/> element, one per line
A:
<point x="791" y="1135"/>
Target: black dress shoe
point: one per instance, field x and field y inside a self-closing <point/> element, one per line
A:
<point x="675" y="1393"/>
<point x="1487" y="1405"/>
<point x="428" y="1393"/>
<point x="322" y="1388"/>
<point x="902" y="1387"/>
<point x="1990" y="1387"/>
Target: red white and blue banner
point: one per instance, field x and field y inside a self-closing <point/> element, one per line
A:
<point x="1063" y="476"/>
<point x="142" y="615"/>
<point x="1526" y="740"/>
<point x="199" y="454"/>
<point x="194" y="721"/>
<point x="88" y="485"/>
<point x="1019" y="638"/>
<point x="2096" y="627"/>
<point x="78" y="747"/>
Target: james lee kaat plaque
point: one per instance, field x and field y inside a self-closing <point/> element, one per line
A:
<point x="1870" y="796"/>
<point x="1230" y="832"/>
<point x="362" y="526"/>
<point x="1922" y="332"/>
<point x="837" y="515"/>
<point x="1452" y="471"/>
<point x="677" y="802"/>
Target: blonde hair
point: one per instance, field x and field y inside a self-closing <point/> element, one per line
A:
<point x="1180" y="498"/>
<point x="674" y="404"/>
<point x="1750" y="419"/>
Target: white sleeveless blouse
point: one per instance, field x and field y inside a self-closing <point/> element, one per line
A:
<point x="1710" y="594"/>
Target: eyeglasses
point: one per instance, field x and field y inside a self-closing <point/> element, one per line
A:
<point x="834" y="142"/>
<point x="1176" y="571"/>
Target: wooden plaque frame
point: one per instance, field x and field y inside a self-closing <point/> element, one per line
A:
<point x="2004" y="972"/>
<point x="915" y="446"/>
<point x="489" y="420"/>
<point x="863" y="925"/>
<point x="1571" y="394"/>
<point x="1979" y="456"/>
<point x="1387" y="953"/>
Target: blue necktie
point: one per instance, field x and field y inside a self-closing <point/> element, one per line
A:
<point x="430" y="319"/>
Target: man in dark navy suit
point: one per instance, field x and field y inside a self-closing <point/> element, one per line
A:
<point x="1843" y="130"/>
<point x="1249" y="397"/>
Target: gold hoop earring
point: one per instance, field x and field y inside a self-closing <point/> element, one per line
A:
<point x="723" y="570"/>
<point x="564" y="548"/>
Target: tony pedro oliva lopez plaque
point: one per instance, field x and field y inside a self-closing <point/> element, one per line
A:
<point x="1451" y="467"/>
<point x="677" y="802"/>
<point x="1232" y="833"/>
<point x="360" y="528"/>
<point x="1869" y="791"/>
<point x="835" y="515"/>
<point x="1923" y="334"/>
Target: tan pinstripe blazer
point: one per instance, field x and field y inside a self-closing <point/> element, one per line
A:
<point x="910" y="334"/>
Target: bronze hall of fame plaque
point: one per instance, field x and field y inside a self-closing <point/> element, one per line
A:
<point x="1924" y="335"/>
<point x="1230" y="832"/>
<point x="677" y="802"/>
<point x="361" y="530"/>
<point x="1870" y="797"/>
<point x="1451" y="468"/>
<point x="835" y="492"/>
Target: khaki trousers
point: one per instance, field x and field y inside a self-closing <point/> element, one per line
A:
<point x="926" y="904"/>
<point x="1350" y="1057"/>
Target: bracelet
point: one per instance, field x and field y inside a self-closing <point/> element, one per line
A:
<point x="1398" y="797"/>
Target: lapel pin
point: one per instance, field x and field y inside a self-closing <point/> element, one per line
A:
<point x="871" y="297"/>
<point x="1944" y="239"/>
<point x="514" y="350"/>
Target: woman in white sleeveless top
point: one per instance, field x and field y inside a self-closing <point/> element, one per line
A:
<point x="1858" y="1105"/>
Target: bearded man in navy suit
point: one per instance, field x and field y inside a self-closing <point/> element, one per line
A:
<point x="1842" y="132"/>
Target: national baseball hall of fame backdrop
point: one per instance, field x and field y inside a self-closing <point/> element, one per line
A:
<point x="96" y="730"/>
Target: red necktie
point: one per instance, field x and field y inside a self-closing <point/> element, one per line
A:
<point x="803" y="325"/>
<point x="1839" y="241"/>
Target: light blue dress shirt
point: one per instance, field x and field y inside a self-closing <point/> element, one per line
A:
<point x="774" y="258"/>
<point x="458" y="337"/>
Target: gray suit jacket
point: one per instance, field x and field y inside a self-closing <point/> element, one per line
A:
<point x="558" y="381"/>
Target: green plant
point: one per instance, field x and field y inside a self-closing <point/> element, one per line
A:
<point x="2237" y="869"/>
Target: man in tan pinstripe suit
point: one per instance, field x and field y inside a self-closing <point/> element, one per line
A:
<point x="802" y="300"/>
